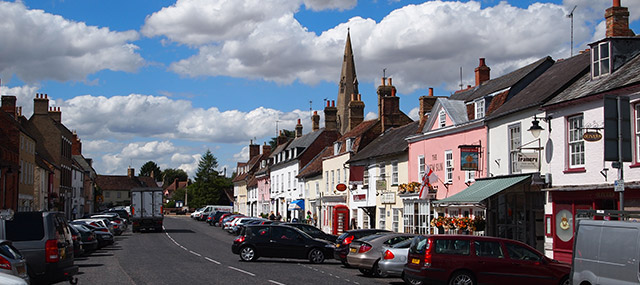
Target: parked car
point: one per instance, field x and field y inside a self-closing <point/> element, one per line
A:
<point x="100" y="223"/>
<point x="279" y="241"/>
<point x="394" y="258"/>
<point x="366" y="252"/>
<point x="103" y="235"/>
<point x="88" y="239"/>
<point x="122" y="213"/>
<point x="12" y="262"/>
<point x="467" y="259"/>
<point x="75" y="236"/>
<point x="45" y="241"/>
<point x="197" y="213"/>
<point x="343" y="241"/>
<point x="114" y="218"/>
<point x="313" y="231"/>
<point x="606" y="252"/>
<point x="8" y="279"/>
<point x="214" y="218"/>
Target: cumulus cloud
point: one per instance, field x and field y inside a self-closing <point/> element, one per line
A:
<point x="417" y="44"/>
<point x="243" y="155"/>
<point x="371" y="116"/>
<point x="318" y="5"/>
<point x="414" y="114"/>
<point x="38" y="45"/>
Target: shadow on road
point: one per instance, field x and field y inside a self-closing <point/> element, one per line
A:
<point x="89" y="265"/>
<point x="100" y="254"/>
<point x="179" y="231"/>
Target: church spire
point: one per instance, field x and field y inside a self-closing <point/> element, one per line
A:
<point x="348" y="86"/>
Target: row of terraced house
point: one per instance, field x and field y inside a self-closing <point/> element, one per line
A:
<point x="509" y="151"/>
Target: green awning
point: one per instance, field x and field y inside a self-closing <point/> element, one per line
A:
<point x="483" y="189"/>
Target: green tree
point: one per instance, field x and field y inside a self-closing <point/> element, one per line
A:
<point x="287" y="133"/>
<point x="150" y="167"/>
<point x="209" y="185"/>
<point x="170" y="174"/>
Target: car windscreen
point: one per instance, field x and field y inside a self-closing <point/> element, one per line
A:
<point x="403" y="244"/>
<point x="25" y="226"/>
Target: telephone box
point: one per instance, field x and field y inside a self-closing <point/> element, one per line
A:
<point x="340" y="219"/>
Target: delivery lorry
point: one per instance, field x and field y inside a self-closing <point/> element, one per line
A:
<point x="146" y="209"/>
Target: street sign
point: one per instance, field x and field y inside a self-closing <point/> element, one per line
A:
<point x="618" y="185"/>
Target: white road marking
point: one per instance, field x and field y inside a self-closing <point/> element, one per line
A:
<point x="195" y="253"/>
<point x="216" y="262"/>
<point x="274" y="282"/>
<point x="240" y="270"/>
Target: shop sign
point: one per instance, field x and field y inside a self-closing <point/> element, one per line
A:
<point x="359" y="197"/>
<point x="381" y="184"/>
<point x="469" y="158"/>
<point x="388" y="198"/>
<point x="528" y="160"/>
<point x="341" y="187"/>
<point x="592" y="136"/>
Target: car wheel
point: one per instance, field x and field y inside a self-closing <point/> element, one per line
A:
<point x="365" y="272"/>
<point x="462" y="278"/>
<point x="248" y="253"/>
<point x="565" y="281"/>
<point x="377" y="271"/>
<point x="346" y="264"/>
<point x="412" y="281"/>
<point x="316" y="256"/>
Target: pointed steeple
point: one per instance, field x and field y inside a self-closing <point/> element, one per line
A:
<point x="348" y="85"/>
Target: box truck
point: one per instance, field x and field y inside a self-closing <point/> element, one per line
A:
<point x="146" y="209"/>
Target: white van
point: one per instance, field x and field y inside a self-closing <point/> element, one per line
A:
<point x="606" y="252"/>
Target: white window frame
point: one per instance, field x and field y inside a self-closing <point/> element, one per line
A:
<point x="470" y="176"/>
<point x="448" y="166"/>
<point x="575" y="142"/>
<point x="479" y="104"/>
<point x="637" y="132"/>
<point x="442" y="119"/>
<point x="382" y="171"/>
<point x="515" y="142"/>
<point x="365" y="177"/>
<point x="382" y="218"/>
<point x="421" y="167"/>
<point x="326" y="175"/>
<point x="333" y="180"/>
<point x="394" y="172"/>
<point x="395" y="225"/>
<point x="338" y="176"/>
<point x="600" y="60"/>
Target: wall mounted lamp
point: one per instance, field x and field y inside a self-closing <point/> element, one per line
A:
<point x="535" y="128"/>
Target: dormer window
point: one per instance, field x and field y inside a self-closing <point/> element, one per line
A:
<point x="442" y="119"/>
<point x="336" y="148"/>
<point x="349" y="144"/>
<point x="600" y="60"/>
<point x="479" y="108"/>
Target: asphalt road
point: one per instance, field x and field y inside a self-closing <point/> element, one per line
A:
<point x="192" y="252"/>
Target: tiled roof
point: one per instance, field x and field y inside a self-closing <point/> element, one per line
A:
<point x="176" y="185"/>
<point x="279" y="148"/>
<point x="391" y="142"/>
<point x="501" y="82"/>
<point x="625" y="76"/>
<point x="123" y="182"/>
<point x="314" y="167"/>
<point x="252" y="163"/>
<point x="559" y="76"/>
<point x="357" y="134"/>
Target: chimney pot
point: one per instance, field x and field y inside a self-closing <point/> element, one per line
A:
<point x="383" y="81"/>
<point x="333" y="103"/>
<point x="328" y="103"/>
<point x="390" y="81"/>
<point x="431" y="91"/>
<point x="359" y="97"/>
<point x="616" y="3"/>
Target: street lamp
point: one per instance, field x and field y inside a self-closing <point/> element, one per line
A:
<point x="535" y="128"/>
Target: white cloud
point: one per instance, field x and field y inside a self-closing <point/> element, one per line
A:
<point x="317" y="5"/>
<point x="418" y="44"/>
<point x="414" y="114"/>
<point x="243" y="155"/>
<point x="94" y="146"/>
<point x="148" y="150"/>
<point x="24" y="96"/>
<point x="370" y="116"/>
<point x="38" y="45"/>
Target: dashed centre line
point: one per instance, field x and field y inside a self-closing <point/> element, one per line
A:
<point x="274" y="282"/>
<point x="195" y="253"/>
<point x="209" y="259"/>
<point x="240" y="270"/>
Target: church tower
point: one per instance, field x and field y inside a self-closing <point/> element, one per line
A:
<point x="348" y="86"/>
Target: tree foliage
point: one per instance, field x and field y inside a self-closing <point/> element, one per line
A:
<point x="209" y="185"/>
<point x="287" y="133"/>
<point x="150" y="167"/>
<point x="170" y="174"/>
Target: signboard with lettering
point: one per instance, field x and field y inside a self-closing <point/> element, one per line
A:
<point x="359" y="197"/>
<point x="528" y="160"/>
<point x="381" y="184"/>
<point x="388" y="198"/>
<point x="592" y="136"/>
<point x="469" y="157"/>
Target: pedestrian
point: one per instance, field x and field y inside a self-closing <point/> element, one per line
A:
<point x="272" y="216"/>
<point x="315" y="219"/>
<point x="278" y="217"/>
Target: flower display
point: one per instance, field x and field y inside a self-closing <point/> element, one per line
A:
<point x="460" y="223"/>
<point x="412" y="187"/>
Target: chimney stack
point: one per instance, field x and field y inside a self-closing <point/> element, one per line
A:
<point x="356" y="111"/>
<point x="266" y="149"/>
<point x="254" y="150"/>
<point x="482" y="72"/>
<point x="76" y="145"/>
<point x="384" y="90"/>
<point x="617" y="19"/>
<point x="131" y="172"/>
<point x="9" y="105"/>
<point x="298" y="129"/>
<point x="331" y="116"/>
<point x="55" y="114"/>
<point x="315" y="119"/>
<point x="389" y="111"/>
<point x="41" y="104"/>
<point x="282" y="139"/>
<point x="426" y="103"/>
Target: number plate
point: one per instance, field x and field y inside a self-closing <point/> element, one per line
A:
<point x="415" y="261"/>
<point x="352" y="249"/>
<point x="21" y="269"/>
<point x="337" y="245"/>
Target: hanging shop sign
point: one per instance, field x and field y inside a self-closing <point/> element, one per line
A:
<point x="341" y="187"/>
<point x="469" y="157"/>
<point x="381" y="184"/>
<point x="528" y="160"/>
<point x="592" y="136"/>
<point x="388" y="198"/>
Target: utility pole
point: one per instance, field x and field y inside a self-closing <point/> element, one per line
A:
<point x="571" y="17"/>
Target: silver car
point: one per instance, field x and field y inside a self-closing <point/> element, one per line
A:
<point x="366" y="253"/>
<point x="394" y="258"/>
<point x="11" y="261"/>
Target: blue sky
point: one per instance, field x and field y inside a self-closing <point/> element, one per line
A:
<point x="166" y="80"/>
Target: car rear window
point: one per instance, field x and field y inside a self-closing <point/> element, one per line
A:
<point x="9" y="251"/>
<point x="403" y="244"/>
<point x="419" y="245"/>
<point x="25" y="226"/>
<point x="452" y="246"/>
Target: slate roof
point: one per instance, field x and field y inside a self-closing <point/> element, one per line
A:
<point x="500" y="83"/>
<point x="388" y="143"/>
<point x="124" y="182"/>
<point x="626" y="75"/>
<point x="279" y="148"/>
<point x="80" y="160"/>
<point x="555" y="79"/>
<point x="357" y="134"/>
<point x="314" y="167"/>
<point x="251" y="163"/>
<point x="455" y="109"/>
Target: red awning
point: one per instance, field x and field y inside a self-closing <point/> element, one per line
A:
<point x="356" y="175"/>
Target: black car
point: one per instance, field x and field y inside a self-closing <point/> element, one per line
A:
<point x="344" y="240"/>
<point x="313" y="231"/>
<point x="77" y="247"/>
<point x="88" y="239"/>
<point x="103" y="235"/>
<point x="215" y="217"/>
<point x="279" y="241"/>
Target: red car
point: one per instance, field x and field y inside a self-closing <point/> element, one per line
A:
<point x="470" y="260"/>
